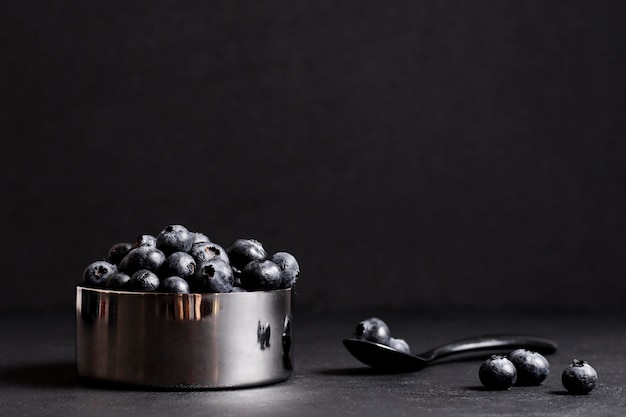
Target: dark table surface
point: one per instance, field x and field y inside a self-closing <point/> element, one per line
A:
<point x="38" y="377"/>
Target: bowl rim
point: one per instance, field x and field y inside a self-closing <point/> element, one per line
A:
<point x="170" y="294"/>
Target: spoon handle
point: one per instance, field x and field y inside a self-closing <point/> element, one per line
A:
<point x="490" y="342"/>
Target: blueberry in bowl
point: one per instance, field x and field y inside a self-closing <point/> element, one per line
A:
<point x="214" y="276"/>
<point x="142" y="257"/>
<point x="118" y="251"/>
<point x="176" y="295"/>
<point x="145" y="280"/>
<point x="289" y="268"/>
<point x="174" y="285"/>
<point x="243" y="251"/>
<point x="180" y="264"/>
<point x="175" y="238"/>
<point x="97" y="273"/>
<point x="118" y="281"/>
<point x="203" y="251"/>
<point x="260" y="275"/>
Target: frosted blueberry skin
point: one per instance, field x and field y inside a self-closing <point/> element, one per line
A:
<point x="579" y="378"/>
<point x="174" y="284"/>
<point x="118" y="251"/>
<point x="174" y="238"/>
<point x="399" y="345"/>
<point x="262" y="275"/>
<point x="243" y="251"/>
<point x="142" y="257"/>
<point x="200" y="237"/>
<point x="144" y="280"/>
<point x="532" y="367"/>
<point x="118" y="281"/>
<point x="179" y="264"/>
<point x="203" y="251"/>
<point x="497" y="373"/>
<point x="145" y="240"/>
<point x="290" y="270"/>
<point x="97" y="273"/>
<point x="374" y="330"/>
<point x="214" y="276"/>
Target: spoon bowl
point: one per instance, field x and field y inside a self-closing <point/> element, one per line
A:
<point x="385" y="358"/>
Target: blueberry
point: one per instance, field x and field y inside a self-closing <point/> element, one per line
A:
<point x="144" y="280"/>
<point x="142" y="257"/>
<point x="497" y="373"/>
<point x="213" y="275"/>
<point x="579" y="377"/>
<point x="261" y="275"/>
<point x="243" y="251"/>
<point x="118" y="281"/>
<point x="175" y="285"/>
<point x="290" y="270"/>
<point x="200" y="237"/>
<point x="97" y="273"/>
<point x="374" y="330"/>
<point x="532" y="367"/>
<point x="399" y="344"/>
<point x="237" y="275"/>
<point x="145" y="240"/>
<point x="203" y="251"/>
<point x="180" y="264"/>
<point x="118" y="251"/>
<point x="237" y="289"/>
<point x="174" y="238"/>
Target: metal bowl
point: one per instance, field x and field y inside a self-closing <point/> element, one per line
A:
<point x="184" y="341"/>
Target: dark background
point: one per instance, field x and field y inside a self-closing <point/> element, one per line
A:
<point x="412" y="155"/>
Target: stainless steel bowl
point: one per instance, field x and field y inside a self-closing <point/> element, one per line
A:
<point x="184" y="341"/>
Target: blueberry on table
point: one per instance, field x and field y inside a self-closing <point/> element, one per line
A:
<point x="144" y="280"/>
<point x="145" y="240"/>
<point x="118" y="251"/>
<point x="142" y="257"/>
<point x="579" y="377"/>
<point x="174" y="238"/>
<point x="374" y="330"/>
<point x="243" y="251"/>
<point x="497" y="373"/>
<point x="290" y="270"/>
<point x="179" y="264"/>
<point x="174" y="284"/>
<point x="261" y="275"/>
<point x="213" y="276"/>
<point x="532" y="367"/>
<point x="97" y="273"/>
<point x="399" y="345"/>
<point x="118" y="281"/>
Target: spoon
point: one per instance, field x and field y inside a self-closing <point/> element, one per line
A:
<point x="382" y="357"/>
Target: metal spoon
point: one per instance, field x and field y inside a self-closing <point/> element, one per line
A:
<point x="385" y="358"/>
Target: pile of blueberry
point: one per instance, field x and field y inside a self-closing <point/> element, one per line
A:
<point x="526" y="368"/>
<point x="177" y="260"/>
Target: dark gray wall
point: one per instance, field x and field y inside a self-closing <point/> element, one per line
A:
<point x="410" y="154"/>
